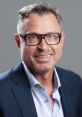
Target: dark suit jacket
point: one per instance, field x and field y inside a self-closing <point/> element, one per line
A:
<point x="16" y="98"/>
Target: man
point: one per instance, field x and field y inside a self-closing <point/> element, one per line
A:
<point x="36" y="87"/>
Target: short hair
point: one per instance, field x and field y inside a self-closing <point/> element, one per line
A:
<point x="40" y="9"/>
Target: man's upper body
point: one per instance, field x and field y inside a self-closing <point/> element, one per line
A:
<point x="37" y="87"/>
<point x="16" y="98"/>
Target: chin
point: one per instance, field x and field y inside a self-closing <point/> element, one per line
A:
<point x="44" y="68"/>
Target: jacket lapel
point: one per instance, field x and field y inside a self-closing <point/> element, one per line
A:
<point x="23" y="96"/>
<point x="66" y="102"/>
<point x="66" y="97"/>
<point x="22" y="93"/>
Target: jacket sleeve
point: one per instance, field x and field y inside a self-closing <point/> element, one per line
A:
<point x="80" y="100"/>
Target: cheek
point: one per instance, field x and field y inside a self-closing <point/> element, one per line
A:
<point x="57" y="49"/>
<point x="23" y="51"/>
<point x="27" y="53"/>
<point x="57" y="52"/>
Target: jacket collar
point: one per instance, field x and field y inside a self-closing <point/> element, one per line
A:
<point x="25" y="100"/>
<point x="65" y="93"/>
<point x="22" y="92"/>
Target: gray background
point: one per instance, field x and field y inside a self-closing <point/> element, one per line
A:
<point x="71" y="11"/>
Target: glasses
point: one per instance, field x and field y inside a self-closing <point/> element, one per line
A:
<point x="33" y="39"/>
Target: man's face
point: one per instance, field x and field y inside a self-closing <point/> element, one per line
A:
<point x="41" y="58"/>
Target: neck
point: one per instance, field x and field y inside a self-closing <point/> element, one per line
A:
<point x="46" y="80"/>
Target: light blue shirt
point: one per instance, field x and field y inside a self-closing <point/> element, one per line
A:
<point x="40" y="96"/>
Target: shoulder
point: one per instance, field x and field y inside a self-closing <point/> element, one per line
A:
<point x="71" y="81"/>
<point x="5" y="77"/>
<point x="67" y="73"/>
<point x="69" y="76"/>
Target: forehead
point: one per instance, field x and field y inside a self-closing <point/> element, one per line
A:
<point x="45" y="23"/>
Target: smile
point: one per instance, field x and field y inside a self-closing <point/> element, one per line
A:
<point x="43" y="58"/>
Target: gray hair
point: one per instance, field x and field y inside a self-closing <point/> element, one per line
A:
<point x="40" y="9"/>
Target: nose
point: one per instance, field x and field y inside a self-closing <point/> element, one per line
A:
<point x="43" y="44"/>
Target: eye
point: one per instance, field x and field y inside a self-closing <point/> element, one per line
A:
<point x="31" y="36"/>
<point x="56" y="36"/>
<point x="49" y="36"/>
<point x="52" y="36"/>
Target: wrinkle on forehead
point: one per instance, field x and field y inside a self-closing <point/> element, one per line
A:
<point x="41" y="23"/>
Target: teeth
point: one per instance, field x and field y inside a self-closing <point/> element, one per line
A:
<point x="44" y="56"/>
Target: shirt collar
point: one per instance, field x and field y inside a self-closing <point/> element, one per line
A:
<point x="33" y="81"/>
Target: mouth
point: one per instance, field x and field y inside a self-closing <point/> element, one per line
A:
<point x="43" y="58"/>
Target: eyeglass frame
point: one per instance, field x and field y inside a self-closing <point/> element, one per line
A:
<point x="41" y="36"/>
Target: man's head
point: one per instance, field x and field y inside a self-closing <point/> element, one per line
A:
<point x="40" y="37"/>
<point x="39" y="9"/>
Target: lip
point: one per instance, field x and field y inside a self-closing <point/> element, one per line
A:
<point x="43" y="58"/>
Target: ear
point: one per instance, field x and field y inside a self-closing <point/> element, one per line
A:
<point x="62" y="38"/>
<point x="17" y="40"/>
